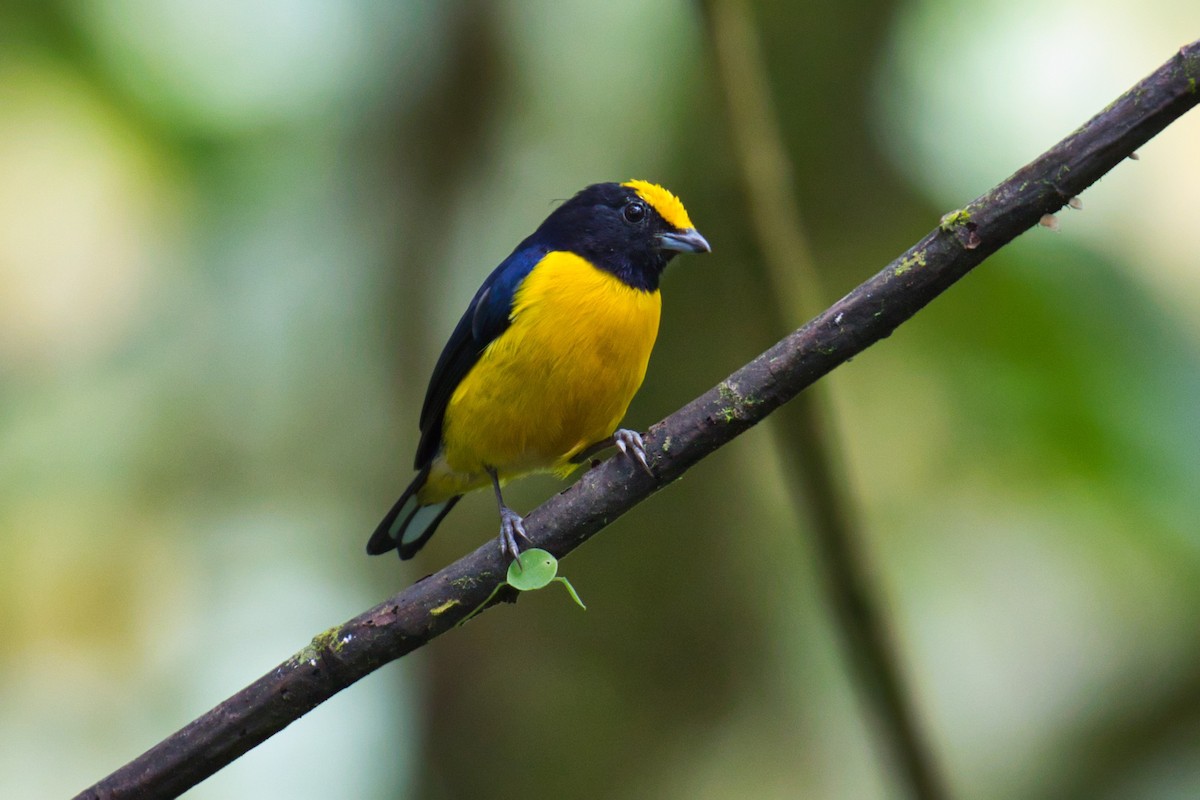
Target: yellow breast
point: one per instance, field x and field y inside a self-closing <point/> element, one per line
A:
<point x="559" y="379"/>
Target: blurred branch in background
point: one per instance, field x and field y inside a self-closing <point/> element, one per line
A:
<point x="807" y="432"/>
<point x="410" y="619"/>
<point x="452" y="122"/>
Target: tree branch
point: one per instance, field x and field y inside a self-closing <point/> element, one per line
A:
<point x="430" y="607"/>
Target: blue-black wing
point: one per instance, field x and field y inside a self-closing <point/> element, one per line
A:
<point x="485" y="319"/>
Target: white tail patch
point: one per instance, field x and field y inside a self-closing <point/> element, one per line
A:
<point x="401" y="520"/>
<point x="415" y="523"/>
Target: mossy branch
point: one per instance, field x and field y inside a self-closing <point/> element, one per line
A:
<point x="432" y="606"/>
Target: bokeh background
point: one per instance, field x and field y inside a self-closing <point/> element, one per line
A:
<point x="235" y="233"/>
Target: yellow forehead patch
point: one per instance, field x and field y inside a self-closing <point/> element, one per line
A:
<point x="666" y="204"/>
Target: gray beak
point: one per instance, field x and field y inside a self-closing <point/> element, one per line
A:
<point x="689" y="241"/>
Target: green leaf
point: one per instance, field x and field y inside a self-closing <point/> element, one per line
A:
<point x="532" y="569"/>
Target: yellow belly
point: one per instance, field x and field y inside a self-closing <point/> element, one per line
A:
<point x="559" y="379"/>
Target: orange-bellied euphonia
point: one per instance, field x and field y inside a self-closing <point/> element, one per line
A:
<point x="544" y="363"/>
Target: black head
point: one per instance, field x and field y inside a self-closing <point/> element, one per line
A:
<point x="630" y="229"/>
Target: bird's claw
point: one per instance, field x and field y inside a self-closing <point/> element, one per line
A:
<point x="512" y="525"/>
<point x="631" y="445"/>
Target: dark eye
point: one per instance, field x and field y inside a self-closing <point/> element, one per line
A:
<point x="635" y="211"/>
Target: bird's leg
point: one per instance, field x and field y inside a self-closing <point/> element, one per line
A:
<point x="628" y="442"/>
<point x="511" y="523"/>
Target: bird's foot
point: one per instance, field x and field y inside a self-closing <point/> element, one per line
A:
<point x="512" y="525"/>
<point x="631" y="445"/>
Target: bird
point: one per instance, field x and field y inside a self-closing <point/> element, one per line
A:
<point x="541" y="368"/>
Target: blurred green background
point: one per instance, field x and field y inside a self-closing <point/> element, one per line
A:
<point x="234" y="235"/>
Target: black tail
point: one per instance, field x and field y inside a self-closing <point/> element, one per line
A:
<point x="409" y="524"/>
